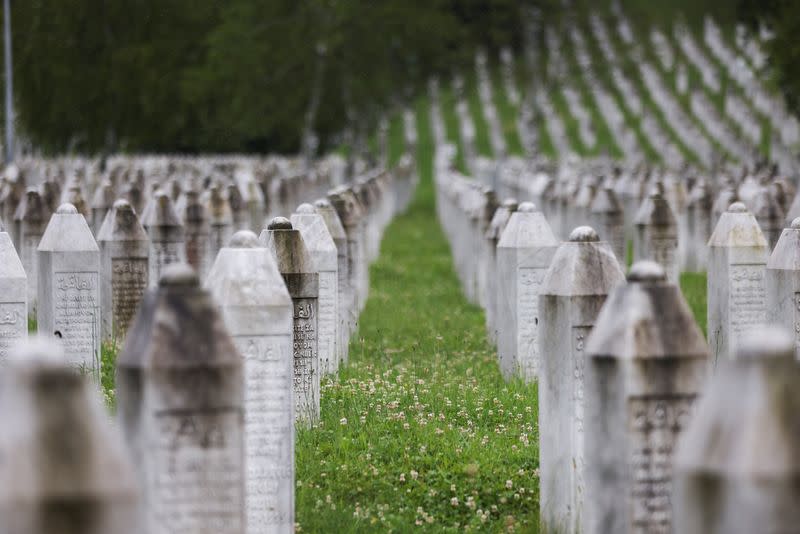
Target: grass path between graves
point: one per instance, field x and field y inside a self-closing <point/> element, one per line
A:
<point x="420" y="429"/>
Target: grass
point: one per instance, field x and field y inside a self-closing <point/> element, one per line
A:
<point x="693" y="286"/>
<point x="420" y="429"/>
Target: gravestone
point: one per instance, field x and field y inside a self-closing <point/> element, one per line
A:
<point x="726" y="196"/>
<point x="647" y="363"/>
<point x="240" y="218"/>
<point x="124" y="250"/>
<point x="344" y="298"/>
<point x="699" y="227"/>
<point x="656" y="233"/>
<point x="736" y="464"/>
<point x="166" y="233"/>
<point x="323" y="253"/>
<point x="769" y="215"/>
<point x="180" y="396"/>
<point x="33" y="219"/>
<point x="349" y="213"/>
<point x="782" y="282"/>
<point x="220" y="220"/>
<point x="13" y="298"/>
<point x="496" y="226"/>
<point x="197" y="233"/>
<point x="246" y="285"/>
<point x="297" y="268"/>
<point x="69" y="288"/>
<point x="736" y="292"/>
<point x="63" y="466"/>
<point x="583" y="272"/>
<point x="523" y="257"/>
<point x="607" y="216"/>
<point x="102" y="202"/>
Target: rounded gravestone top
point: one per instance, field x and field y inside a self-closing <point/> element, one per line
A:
<point x="796" y="224"/>
<point x="122" y="204"/>
<point x="647" y="271"/>
<point x="766" y="342"/>
<point x="737" y="207"/>
<point x="323" y="203"/>
<point x="527" y="207"/>
<point x="511" y="204"/>
<point x="280" y="223"/>
<point x="305" y="209"/>
<point x="179" y="275"/>
<point x="584" y="234"/>
<point x="244" y="239"/>
<point x="67" y="209"/>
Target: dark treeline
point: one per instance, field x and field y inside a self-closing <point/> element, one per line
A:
<point x="238" y="75"/>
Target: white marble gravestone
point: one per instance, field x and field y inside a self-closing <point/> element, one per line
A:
<point x="349" y="213"/>
<point x="257" y="310"/>
<point x="498" y="223"/>
<point x="769" y="214"/>
<point x="63" y="466"/>
<point x="583" y="272"/>
<point x="32" y="217"/>
<point x="607" y="216"/>
<point x="323" y="253"/>
<point x="297" y="268"/>
<point x="736" y="466"/>
<point x="656" y="233"/>
<point x="698" y="217"/>
<point x="124" y="251"/>
<point x="197" y="233"/>
<point x="69" y="287"/>
<point x="166" y="233"/>
<point x="13" y="298"/>
<point x="523" y="257"/>
<point x="180" y="404"/>
<point x="647" y="364"/>
<point x="220" y="220"/>
<point x="102" y="202"/>
<point x="738" y="254"/>
<point x="344" y="299"/>
<point x="782" y="282"/>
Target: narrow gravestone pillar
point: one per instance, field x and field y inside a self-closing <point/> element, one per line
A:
<point x="656" y="234"/>
<point x="584" y="271"/>
<point x="102" y="202"/>
<point x="180" y="404"/>
<point x="255" y="304"/>
<point x="334" y="225"/>
<point x="606" y="212"/>
<point x="124" y="250"/>
<point x="220" y="220"/>
<point x="783" y="282"/>
<point x="698" y="218"/>
<point x="647" y="362"/>
<point x="13" y="298"/>
<point x="496" y="226"/>
<point x="523" y="257"/>
<point x="736" y="294"/>
<point x="323" y="253"/>
<point x="69" y="287"/>
<point x="197" y="233"/>
<point x="736" y="465"/>
<point x="302" y="281"/>
<point x="63" y="466"/>
<point x="33" y="217"/>
<point x="350" y="216"/>
<point x="769" y="214"/>
<point x="166" y="236"/>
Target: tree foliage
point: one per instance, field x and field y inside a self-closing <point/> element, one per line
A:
<point x="240" y="75"/>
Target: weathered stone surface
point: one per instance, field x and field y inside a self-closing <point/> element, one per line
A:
<point x="350" y="215"/>
<point x="220" y="219"/>
<point x="63" y="467"/>
<point x="257" y="309"/>
<point x="344" y="299"/>
<point x="31" y="220"/>
<point x="302" y="281"/>
<point x="607" y="216"/>
<point x="124" y="252"/>
<point x="769" y="214"/>
<point x="180" y="402"/>
<point x="167" y="244"/>
<point x="736" y="292"/>
<point x="583" y="272"/>
<point x="738" y="462"/>
<point x="197" y="233"/>
<point x="69" y="287"/>
<point x="647" y="363"/>
<point x="102" y="202"/>
<point x="699" y="227"/>
<point x="13" y="298"/>
<point x="523" y="257"/>
<point x="324" y="255"/>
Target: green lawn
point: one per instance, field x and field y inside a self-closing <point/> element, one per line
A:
<point x="420" y="428"/>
